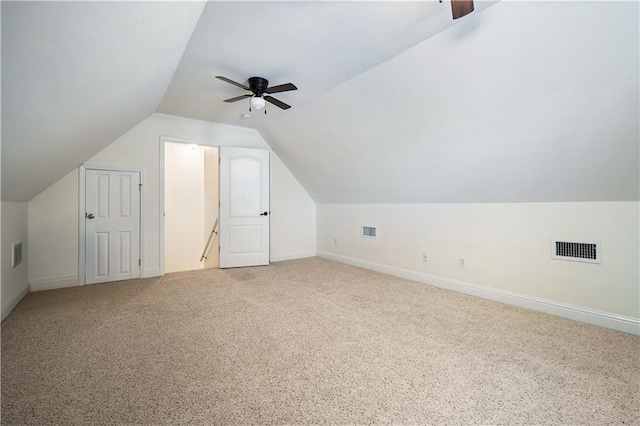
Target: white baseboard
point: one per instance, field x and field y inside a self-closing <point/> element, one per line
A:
<point x="591" y="316"/>
<point x="292" y="255"/>
<point x="53" y="283"/>
<point x="150" y="273"/>
<point x="10" y="304"/>
<point x="73" y="281"/>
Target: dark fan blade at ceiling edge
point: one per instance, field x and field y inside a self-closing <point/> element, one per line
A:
<point x="238" y="98"/>
<point x="281" y="88"/>
<point x="232" y="82"/>
<point x="460" y="8"/>
<point x="276" y="102"/>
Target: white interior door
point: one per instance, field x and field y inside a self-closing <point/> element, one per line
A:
<point x="244" y="207"/>
<point x="112" y="226"/>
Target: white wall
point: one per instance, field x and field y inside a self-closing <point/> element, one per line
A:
<point x="211" y="199"/>
<point x="140" y="149"/>
<point x="15" y="284"/>
<point x="292" y="210"/>
<point x="53" y="235"/>
<point x="184" y="207"/>
<point x="507" y="246"/>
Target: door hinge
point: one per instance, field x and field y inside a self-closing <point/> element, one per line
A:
<point x="140" y="187"/>
<point x="139" y="262"/>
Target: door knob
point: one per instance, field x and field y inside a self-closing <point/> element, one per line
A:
<point x="264" y="214"/>
<point x="89" y="215"/>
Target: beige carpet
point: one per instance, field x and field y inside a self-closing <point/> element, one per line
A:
<point x="302" y="342"/>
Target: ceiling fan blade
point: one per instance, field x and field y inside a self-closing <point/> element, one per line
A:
<point x="238" y="98"/>
<point x="276" y="102"/>
<point x="232" y="82"/>
<point x="461" y="8"/>
<point x="281" y="88"/>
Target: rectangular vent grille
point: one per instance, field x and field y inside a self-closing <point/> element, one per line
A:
<point x="578" y="251"/>
<point x="368" y="231"/>
<point x="16" y="255"/>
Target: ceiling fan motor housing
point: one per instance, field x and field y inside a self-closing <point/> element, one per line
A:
<point x="258" y="85"/>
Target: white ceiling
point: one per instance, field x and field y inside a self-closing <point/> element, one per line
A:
<point x="518" y="102"/>
<point x="524" y="102"/>
<point x="315" y="45"/>
<point x="76" y="76"/>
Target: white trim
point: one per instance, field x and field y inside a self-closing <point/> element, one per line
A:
<point x="82" y="209"/>
<point x="591" y="316"/>
<point x="292" y="255"/>
<point x="272" y="257"/>
<point x="165" y="138"/>
<point x="10" y="304"/>
<point x="143" y="258"/>
<point x="81" y="226"/>
<point x="162" y="140"/>
<point x="151" y="273"/>
<point x="53" y="283"/>
<point x="161" y="212"/>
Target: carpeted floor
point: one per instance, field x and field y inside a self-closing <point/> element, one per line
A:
<point x="302" y="342"/>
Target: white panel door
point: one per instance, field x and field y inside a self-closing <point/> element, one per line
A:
<point x="244" y="207"/>
<point x="112" y="226"/>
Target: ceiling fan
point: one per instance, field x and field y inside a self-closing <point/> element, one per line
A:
<point x="259" y="87"/>
<point x="460" y="8"/>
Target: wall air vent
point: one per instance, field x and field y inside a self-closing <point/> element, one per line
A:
<point x="16" y="254"/>
<point x="369" y="231"/>
<point x="577" y="251"/>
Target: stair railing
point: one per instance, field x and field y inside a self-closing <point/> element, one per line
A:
<point x="208" y="245"/>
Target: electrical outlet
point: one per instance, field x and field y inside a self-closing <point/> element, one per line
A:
<point x="335" y="241"/>
<point x="424" y="257"/>
<point x="462" y="262"/>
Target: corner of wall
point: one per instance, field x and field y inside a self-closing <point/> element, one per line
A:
<point x="14" y="278"/>
<point x="9" y="305"/>
<point x="507" y="248"/>
<point x="53" y="235"/>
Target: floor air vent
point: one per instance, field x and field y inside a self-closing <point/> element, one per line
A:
<point x="577" y="251"/>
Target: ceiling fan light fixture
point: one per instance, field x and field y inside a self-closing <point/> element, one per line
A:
<point x="261" y="92"/>
<point x="257" y="102"/>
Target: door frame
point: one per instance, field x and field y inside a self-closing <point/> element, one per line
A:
<point x="213" y="144"/>
<point x="162" y="213"/>
<point x="82" y="279"/>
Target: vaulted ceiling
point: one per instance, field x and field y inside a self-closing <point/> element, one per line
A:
<point x="76" y="76"/>
<point x="396" y="103"/>
<point x="315" y="45"/>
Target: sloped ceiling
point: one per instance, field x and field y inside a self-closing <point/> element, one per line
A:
<point x="315" y="45"/>
<point x="77" y="75"/>
<point x="523" y="102"/>
<point x="520" y="101"/>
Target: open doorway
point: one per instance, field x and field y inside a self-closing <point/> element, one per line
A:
<point x="190" y="207"/>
